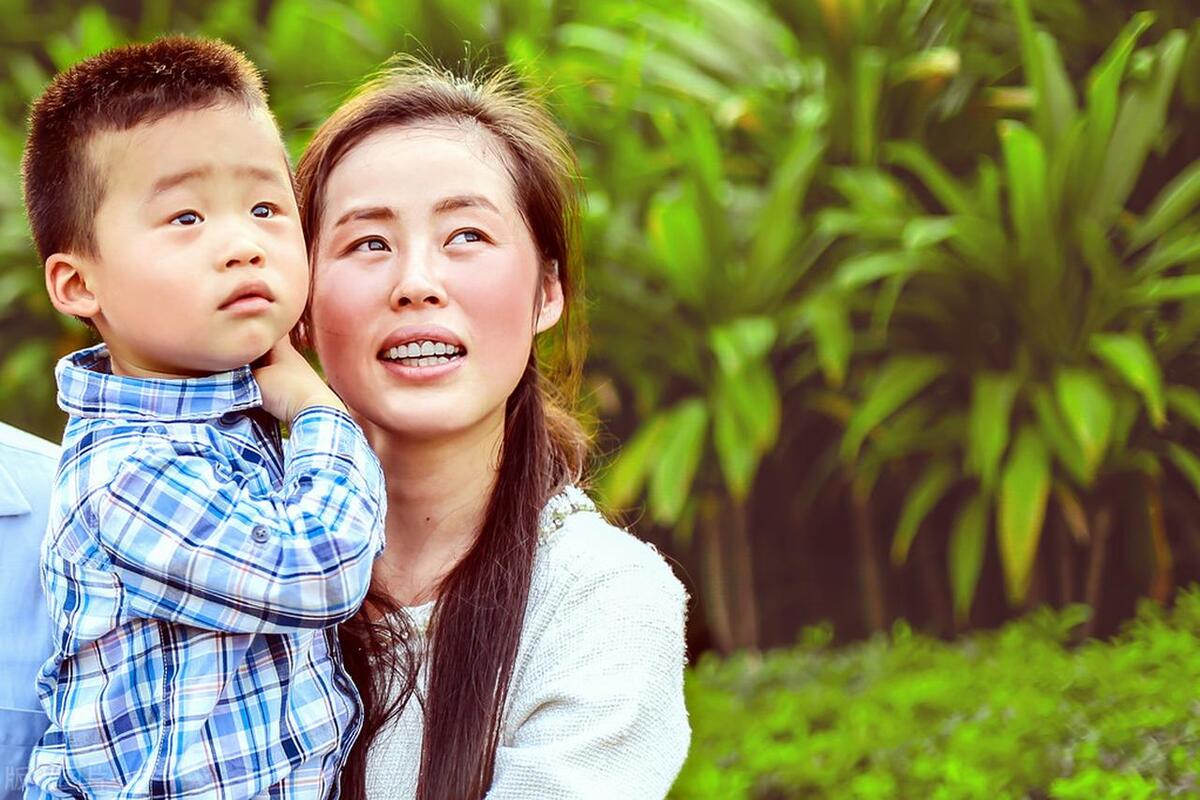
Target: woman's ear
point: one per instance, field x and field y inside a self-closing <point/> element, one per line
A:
<point x="67" y="284"/>
<point x="552" y="300"/>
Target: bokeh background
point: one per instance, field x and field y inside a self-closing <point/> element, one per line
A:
<point x="894" y="310"/>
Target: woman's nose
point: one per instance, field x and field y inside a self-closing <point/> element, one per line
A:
<point x="417" y="284"/>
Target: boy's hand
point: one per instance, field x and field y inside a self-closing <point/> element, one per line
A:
<point x="289" y="385"/>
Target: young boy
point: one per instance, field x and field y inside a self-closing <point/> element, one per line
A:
<point x="194" y="573"/>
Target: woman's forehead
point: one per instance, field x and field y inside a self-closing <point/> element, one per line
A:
<point x="420" y="164"/>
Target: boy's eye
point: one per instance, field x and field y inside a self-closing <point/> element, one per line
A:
<point x="373" y="244"/>
<point x="186" y="218"/>
<point x="263" y="211"/>
<point x="465" y="237"/>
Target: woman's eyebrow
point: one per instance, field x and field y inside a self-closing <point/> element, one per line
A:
<point x="464" y="201"/>
<point x="366" y="213"/>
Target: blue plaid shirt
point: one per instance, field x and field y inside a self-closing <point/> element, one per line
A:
<point x="194" y="577"/>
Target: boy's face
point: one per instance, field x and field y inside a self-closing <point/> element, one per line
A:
<point x="200" y="265"/>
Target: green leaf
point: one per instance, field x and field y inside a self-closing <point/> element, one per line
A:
<point x="947" y="189"/>
<point x="864" y="269"/>
<point x="672" y="72"/>
<point x="1187" y="463"/>
<point x="1167" y="290"/>
<point x="741" y="341"/>
<point x="701" y="147"/>
<point x="1055" y="107"/>
<point x="1185" y="402"/>
<point x="677" y="238"/>
<point x="1131" y="358"/>
<point x="896" y="383"/>
<point x="622" y="481"/>
<point x="1166" y="253"/>
<point x="1024" y="489"/>
<point x="1105" y="268"/>
<point x="746" y="417"/>
<point x="968" y="538"/>
<point x="1140" y="122"/>
<point x="925" y="494"/>
<point x="1173" y="204"/>
<point x="833" y="336"/>
<point x="681" y="445"/>
<point x="869" y="64"/>
<point x="922" y="232"/>
<point x="1126" y="410"/>
<point x="1088" y="411"/>
<point x="992" y="396"/>
<point x="1056" y="96"/>
<point x="1104" y="84"/>
<point x="1025" y="166"/>
<point x="1057" y="435"/>
<point x="780" y="224"/>
<point x="699" y="45"/>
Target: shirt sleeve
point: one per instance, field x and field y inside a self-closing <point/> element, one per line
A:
<point x="599" y="712"/>
<point x="195" y="542"/>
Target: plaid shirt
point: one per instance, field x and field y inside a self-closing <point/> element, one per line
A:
<point x="194" y="578"/>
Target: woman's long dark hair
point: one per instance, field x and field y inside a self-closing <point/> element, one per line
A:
<point x="477" y="622"/>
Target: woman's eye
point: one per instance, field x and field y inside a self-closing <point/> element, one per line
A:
<point x="186" y="218"/>
<point x="376" y="245"/>
<point x="467" y="236"/>
<point x="263" y="211"/>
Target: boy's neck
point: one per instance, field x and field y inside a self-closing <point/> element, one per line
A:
<point x="438" y="491"/>
<point x="130" y="366"/>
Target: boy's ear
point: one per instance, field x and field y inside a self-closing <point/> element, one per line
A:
<point x="552" y="301"/>
<point x="66" y="283"/>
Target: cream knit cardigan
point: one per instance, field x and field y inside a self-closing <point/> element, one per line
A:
<point x="595" y="708"/>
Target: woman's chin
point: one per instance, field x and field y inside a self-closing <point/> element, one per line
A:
<point x="428" y="418"/>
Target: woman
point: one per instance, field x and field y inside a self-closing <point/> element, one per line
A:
<point x="514" y="644"/>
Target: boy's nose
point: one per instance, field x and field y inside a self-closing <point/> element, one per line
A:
<point x="245" y="253"/>
<point x="254" y="260"/>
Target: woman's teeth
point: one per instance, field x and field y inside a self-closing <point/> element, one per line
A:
<point x="423" y="354"/>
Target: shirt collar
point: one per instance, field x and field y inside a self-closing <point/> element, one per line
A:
<point x="87" y="388"/>
<point x="13" y="502"/>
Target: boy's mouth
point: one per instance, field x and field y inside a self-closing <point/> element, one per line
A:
<point x="249" y="294"/>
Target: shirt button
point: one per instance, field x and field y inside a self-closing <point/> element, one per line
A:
<point x="260" y="534"/>
<point x="230" y="418"/>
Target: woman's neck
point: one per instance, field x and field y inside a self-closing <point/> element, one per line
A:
<point x="438" y="490"/>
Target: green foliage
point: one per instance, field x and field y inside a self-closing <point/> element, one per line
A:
<point x="1091" y="308"/>
<point x="1015" y="713"/>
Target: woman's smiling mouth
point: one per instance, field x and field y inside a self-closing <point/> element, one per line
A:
<point x="424" y="353"/>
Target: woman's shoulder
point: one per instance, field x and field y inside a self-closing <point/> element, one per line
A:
<point x="580" y="547"/>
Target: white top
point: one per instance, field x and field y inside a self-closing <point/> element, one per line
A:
<point x="595" y="707"/>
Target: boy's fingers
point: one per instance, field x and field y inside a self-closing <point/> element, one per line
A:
<point x="280" y="351"/>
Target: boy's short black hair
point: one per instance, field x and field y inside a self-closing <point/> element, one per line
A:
<point x="115" y="91"/>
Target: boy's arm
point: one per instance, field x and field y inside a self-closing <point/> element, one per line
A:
<point x="195" y="543"/>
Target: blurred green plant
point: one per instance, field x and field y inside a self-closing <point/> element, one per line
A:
<point x="1033" y="336"/>
<point x="730" y="114"/>
<point x="1014" y="713"/>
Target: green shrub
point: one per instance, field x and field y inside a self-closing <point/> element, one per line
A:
<point x="1014" y="713"/>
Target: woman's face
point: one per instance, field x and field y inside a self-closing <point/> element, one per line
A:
<point x="427" y="286"/>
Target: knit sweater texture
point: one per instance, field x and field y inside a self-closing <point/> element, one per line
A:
<point x="595" y="708"/>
